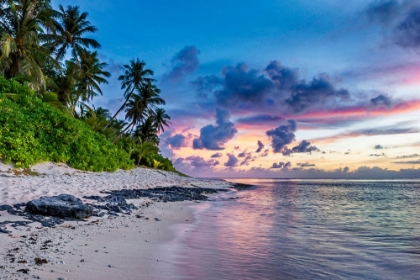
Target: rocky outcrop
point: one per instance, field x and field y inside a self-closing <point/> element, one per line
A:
<point x="63" y="205"/>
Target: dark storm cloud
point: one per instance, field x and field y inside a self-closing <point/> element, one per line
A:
<point x="213" y="137"/>
<point x="216" y="155"/>
<point x="276" y="87"/>
<point x="242" y="85"/>
<point x="207" y="84"/>
<point x="383" y="10"/>
<point x="183" y="63"/>
<point x="381" y="101"/>
<point x="304" y="147"/>
<point x="259" y="119"/>
<point x="260" y="146"/>
<point x="177" y="141"/>
<point x="318" y="91"/>
<point x="407" y="33"/>
<point x="378" y="147"/>
<point x="232" y="161"/>
<point x="283" y="77"/>
<point x="199" y="162"/>
<point x="281" y="165"/>
<point x="282" y="135"/>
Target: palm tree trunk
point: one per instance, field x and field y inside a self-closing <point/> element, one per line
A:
<point x="119" y="110"/>
<point x="122" y="132"/>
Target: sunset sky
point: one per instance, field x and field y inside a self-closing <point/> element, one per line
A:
<point x="275" y="88"/>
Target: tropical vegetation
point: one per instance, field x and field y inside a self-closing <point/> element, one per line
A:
<point x="50" y="71"/>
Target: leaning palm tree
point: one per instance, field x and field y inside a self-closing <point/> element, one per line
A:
<point x="21" y="24"/>
<point x="90" y="75"/>
<point x="135" y="112"/>
<point x="135" y="75"/>
<point x="161" y="119"/>
<point x="70" y="26"/>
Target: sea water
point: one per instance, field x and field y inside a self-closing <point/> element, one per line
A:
<point x="307" y="229"/>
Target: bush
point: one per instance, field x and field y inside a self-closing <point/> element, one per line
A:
<point x="32" y="131"/>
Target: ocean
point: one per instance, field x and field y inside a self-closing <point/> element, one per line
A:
<point x="306" y="229"/>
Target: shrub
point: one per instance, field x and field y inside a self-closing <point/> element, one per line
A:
<point x="32" y="131"/>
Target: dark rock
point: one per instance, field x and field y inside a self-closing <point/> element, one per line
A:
<point x="5" y="231"/>
<point x="63" y="205"/>
<point x="241" y="186"/>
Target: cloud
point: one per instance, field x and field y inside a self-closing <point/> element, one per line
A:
<point x="304" y="147"/>
<point x="214" y="137"/>
<point x="407" y="33"/>
<point x="183" y="63"/>
<point x="381" y="101"/>
<point x="362" y="172"/>
<point x="260" y="146"/>
<point x="243" y="154"/>
<point x="177" y="141"/>
<point x="207" y="84"/>
<point x="242" y="85"/>
<point x="282" y="135"/>
<point x="378" y="147"/>
<point x="409" y="156"/>
<point x="283" y="77"/>
<point x="247" y="158"/>
<point x="383" y="11"/>
<point x="281" y="165"/>
<point x="259" y="119"/>
<point x="199" y="162"/>
<point x="305" y="164"/>
<point x="317" y="92"/>
<point x="408" y="162"/>
<point x="378" y="155"/>
<point x="216" y="155"/>
<point x="232" y="161"/>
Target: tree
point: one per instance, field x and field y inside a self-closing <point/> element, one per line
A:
<point x="70" y="25"/>
<point x="21" y="23"/>
<point x="146" y="131"/>
<point x="160" y="118"/>
<point x="89" y="76"/>
<point x="135" y="75"/>
<point x="135" y="111"/>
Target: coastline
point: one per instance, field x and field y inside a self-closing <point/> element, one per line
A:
<point x="137" y="246"/>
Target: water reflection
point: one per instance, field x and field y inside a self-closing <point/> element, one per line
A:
<point x="300" y="229"/>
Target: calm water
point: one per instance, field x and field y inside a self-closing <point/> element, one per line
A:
<point x="302" y="229"/>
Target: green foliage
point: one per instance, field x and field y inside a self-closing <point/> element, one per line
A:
<point x="12" y="86"/>
<point x="32" y="131"/>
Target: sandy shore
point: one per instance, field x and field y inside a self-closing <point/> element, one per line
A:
<point x="136" y="246"/>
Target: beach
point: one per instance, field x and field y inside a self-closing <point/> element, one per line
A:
<point x="139" y="245"/>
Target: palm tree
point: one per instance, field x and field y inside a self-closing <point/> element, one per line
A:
<point x="147" y="131"/>
<point x="144" y="149"/>
<point x="161" y="119"/>
<point x="135" y="75"/>
<point x="70" y="25"/>
<point x="135" y="111"/>
<point x="90" y="75"/>
<point x="21" y="23"/>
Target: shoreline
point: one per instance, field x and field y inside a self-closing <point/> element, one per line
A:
<point x="136" y="246"/>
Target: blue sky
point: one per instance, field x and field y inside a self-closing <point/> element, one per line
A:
<point x="346" y="72"/>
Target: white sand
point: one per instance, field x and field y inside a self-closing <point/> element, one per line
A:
<point x="127" y="247"/>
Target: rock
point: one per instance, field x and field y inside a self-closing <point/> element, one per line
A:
<point x="63" y="205"/>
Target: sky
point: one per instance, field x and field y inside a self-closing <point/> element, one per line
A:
<point x="274" y="88"/>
